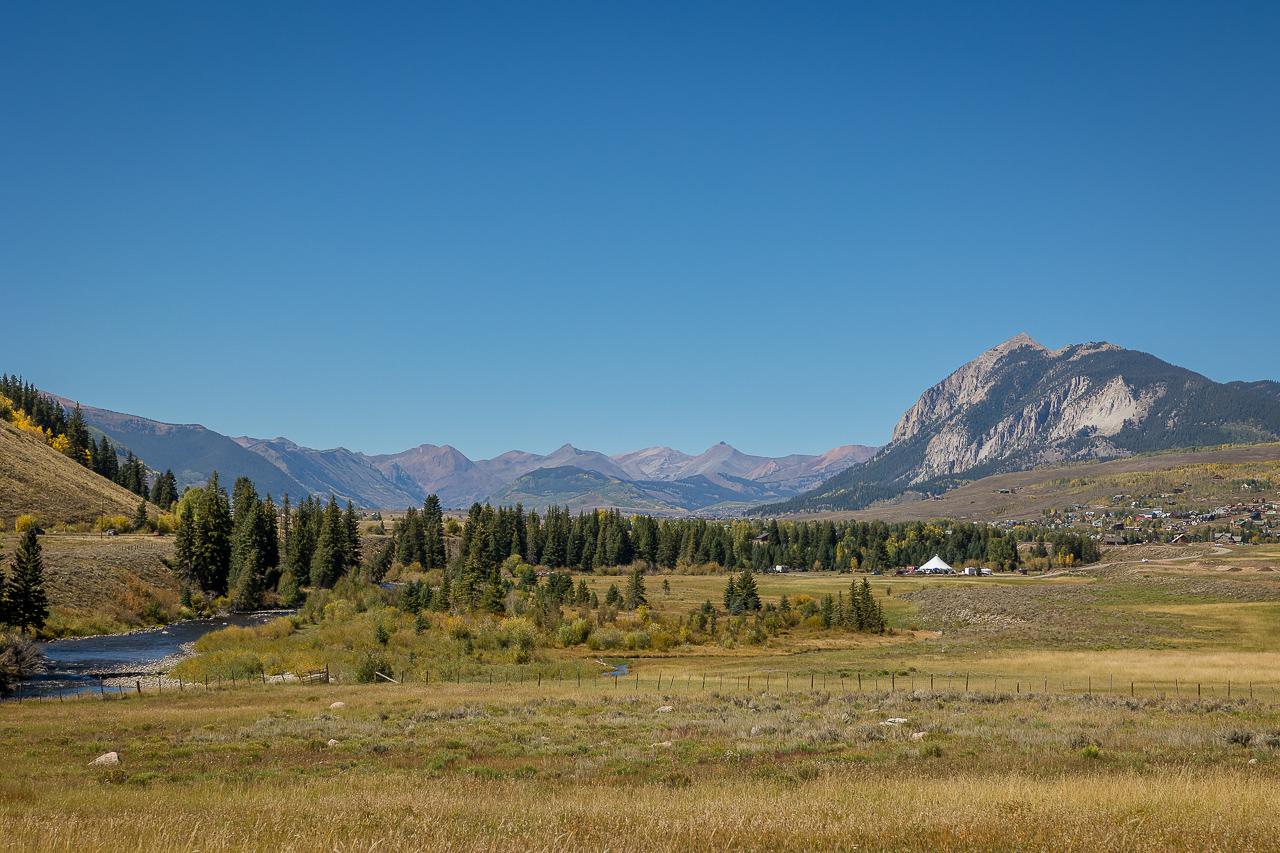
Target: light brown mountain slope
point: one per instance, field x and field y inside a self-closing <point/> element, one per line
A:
<point x="36" y="479"/>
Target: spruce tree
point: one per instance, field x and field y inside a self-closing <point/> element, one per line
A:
<point x="635" y="589"/>
<point x="140" y="521"/>
<point x="492" y="600"/>
<point x="747" y="591"/>
<point x="329" y="560"/>
<point x="731" y="599"/>
<point x="184" y="543"/>
<point x="444" y="596"/>
<point x="78" y="439"/>
<point x="28" y="605"/>
<point x="351" y="539"/>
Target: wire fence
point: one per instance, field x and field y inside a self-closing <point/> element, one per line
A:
<point x="956" y="686"/>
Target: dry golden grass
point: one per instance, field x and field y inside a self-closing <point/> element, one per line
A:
<point x="101" y="584"/>
<point x="36" y="479"/>
<point x="477" y="768"/>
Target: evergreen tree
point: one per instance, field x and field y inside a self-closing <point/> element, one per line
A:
<point x="184" y="543"/>
<point x="351" y="539"/>
<point x="492" y="599"/>
<point x="28" y="606"/>
<point x="443" y="599"/>
<point x="79" y="441"/>
<point x="635" y="589"/>
<point x="247" y="592"/>
<point x="731" y="599"/>
<point x="329" y="560"/>
<point x="213" y="538"/>
<point x="747" y="591"/>
<point x="140" y="521"/>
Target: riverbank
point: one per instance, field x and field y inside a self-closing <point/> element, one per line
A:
<point x="85" y="663"/>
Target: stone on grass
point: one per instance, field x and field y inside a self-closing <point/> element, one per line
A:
<point x="664" y="709"/>
<point x="106" y="760"/>
<point x="332" y="742"/>
<point x="338" y="705"/>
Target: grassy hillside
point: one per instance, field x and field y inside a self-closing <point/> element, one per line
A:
<point x="1029" y="492"/>
<point x="35" y="479"/>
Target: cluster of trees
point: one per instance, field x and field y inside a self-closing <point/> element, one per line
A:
<point x="1066" y="548"/>
<point x="23" y="602"/>
<point x="860" y="613"/>
<point x="227" y="545"/>
<point x="322" y="543"/>
<point x="419" y="536"/>
<point x="44" y="412"/>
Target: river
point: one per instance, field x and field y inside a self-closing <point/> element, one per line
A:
<point x="75" y="664"/>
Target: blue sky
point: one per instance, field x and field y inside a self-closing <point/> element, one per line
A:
<point x="511" y="226"/>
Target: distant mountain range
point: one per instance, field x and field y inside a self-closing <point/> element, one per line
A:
<point x="1013" y="407"/>
<point x="1019" y="405"/>
<point x="657" y="479"/>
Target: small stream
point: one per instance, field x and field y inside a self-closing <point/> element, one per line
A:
<point x="76" y="664"/>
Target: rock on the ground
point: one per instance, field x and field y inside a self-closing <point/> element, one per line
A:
<point x="332" y="742"/>
<point x="106" y="760"/>
<point x="337" y="705"/>
<point x="665" y="709"/>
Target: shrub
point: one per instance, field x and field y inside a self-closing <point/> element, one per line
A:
<point x="572" y="633"/>
<point x="607" y="637"/>
<point x="25" y="523"/>
<point x="1091" y="751"/>
<point x="367" y="667"/>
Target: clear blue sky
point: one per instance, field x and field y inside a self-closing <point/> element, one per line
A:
<point x="619" y="225"/>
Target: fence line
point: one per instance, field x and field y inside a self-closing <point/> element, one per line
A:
<point x="995" y="685"/>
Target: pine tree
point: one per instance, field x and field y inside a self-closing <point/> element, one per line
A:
<point x="351" y="539"/>
<point x="78" y="439"/>
<point x="213" y="538"/>
<point x="635" y="589"/>
<point x="747" y="591"/>
<point x="28" y="605"/>
<point x="184" y="543"/>
<point x="444" y="596"/>
<point x="329" y="560"/>
<point x="140" y="521"/>
<point x="731" y="600"/>
<point x="492" y="600"/>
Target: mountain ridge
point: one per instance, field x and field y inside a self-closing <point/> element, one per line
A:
<point x="1019" y="404"/>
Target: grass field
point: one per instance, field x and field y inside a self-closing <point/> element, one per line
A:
<point x="104" y="584"/>
<point x="474" y="767"/>
<point x="1127" y="706"/>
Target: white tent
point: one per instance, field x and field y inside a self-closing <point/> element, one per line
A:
<point x="934" y="565"/>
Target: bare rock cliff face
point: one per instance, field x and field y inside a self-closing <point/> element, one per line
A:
<point x="1022" y="399"/>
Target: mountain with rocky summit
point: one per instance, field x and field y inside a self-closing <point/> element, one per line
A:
<point x="1020" y="404"/>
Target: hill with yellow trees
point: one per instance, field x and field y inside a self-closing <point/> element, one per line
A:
<point x="37" y="480"/>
